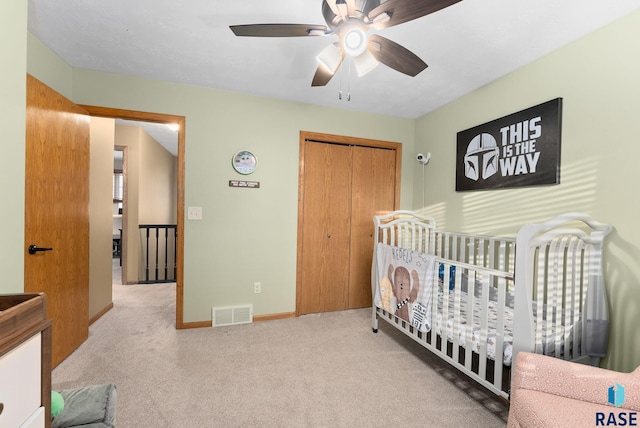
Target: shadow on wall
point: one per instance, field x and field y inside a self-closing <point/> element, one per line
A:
<point x="622" y="293"/>
<point x="497" y="213"/>
<point x="438" y="212"/>
<point x="502" y="212"/>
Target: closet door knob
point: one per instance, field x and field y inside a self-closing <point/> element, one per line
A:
<point x="328" y="235"/>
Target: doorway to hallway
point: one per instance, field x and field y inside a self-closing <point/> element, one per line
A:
<point x="157" y="118"/>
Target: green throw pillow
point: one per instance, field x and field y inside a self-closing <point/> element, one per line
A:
<point x="57" y="403"/>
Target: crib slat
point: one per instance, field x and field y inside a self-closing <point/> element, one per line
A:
<point x="491" y="257"/>
<point x="562" y="330"/>
<point x="500" y="329"/>
<point x="447" y="254"/>
<point x="457" y="316"/>
<point x="484" y="324"/>
<point x="434" y="313"/>
<point x="539" y="302"/>
<point x="570" y="319"/>
<point x="573" y="285"/>
<point x="581" y="289"/>
<point x="445" y="305"/>
<point x="551" y="303"/>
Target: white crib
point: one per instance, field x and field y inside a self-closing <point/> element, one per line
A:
<point x="484" y="301"/>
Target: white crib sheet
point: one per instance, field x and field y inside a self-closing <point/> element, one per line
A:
<point x="547" y="344"/>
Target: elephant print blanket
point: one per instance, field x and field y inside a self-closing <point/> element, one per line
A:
<point x="405" y="280"/>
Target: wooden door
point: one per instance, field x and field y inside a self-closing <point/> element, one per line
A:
<point x="57" y="213"/>
<point x="372" y="192"/>
<point x="334" y="270"/>
<point x="325" y="233"/>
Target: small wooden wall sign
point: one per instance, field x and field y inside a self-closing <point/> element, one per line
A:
<point x="244" y="184"/>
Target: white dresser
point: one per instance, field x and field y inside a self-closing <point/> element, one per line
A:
<point x="25" y="362"/>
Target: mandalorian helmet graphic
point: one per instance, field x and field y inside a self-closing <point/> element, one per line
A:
<point x="482" y="157"/>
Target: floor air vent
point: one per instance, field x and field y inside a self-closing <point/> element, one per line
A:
<point x="232" y="315"/>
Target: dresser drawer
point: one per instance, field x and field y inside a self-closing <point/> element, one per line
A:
<point x="20" y="383"/>
<point x="36" y="420"/>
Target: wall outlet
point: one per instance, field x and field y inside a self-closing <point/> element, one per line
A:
<point x="194" y="213"/>
<point x="257" y="287"/>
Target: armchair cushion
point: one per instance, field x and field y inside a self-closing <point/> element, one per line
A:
<point x="88" y="407"/>
<point x="549" y="392"/>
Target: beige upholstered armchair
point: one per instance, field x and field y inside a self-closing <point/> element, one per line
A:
<point x="548" y="392"/>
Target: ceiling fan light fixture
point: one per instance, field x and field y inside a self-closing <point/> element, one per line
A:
<point x="383" y="18"/>
<point x="343" y="10"/>
<point x="354" y="42"/>
<point x="365" y="63"/>
<point x="330" y="58"/>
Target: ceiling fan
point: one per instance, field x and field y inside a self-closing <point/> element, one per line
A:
<point x="350" y="20"/>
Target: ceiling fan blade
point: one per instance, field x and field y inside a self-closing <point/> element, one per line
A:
<point x="330" y="60"/>
<point x="395" y="56"/>
<point x="331" y="13"/>
<point x="278" y="30"/>
<point x="351" y="7"/>
<point x="336" y="11"/>
<point x="332" y="5"/>
<point x="322" y="76"/>
<point x="407" y="10"/>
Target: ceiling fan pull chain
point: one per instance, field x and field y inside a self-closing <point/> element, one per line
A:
<point x="349" y="82"/>
<point x="340" y="91"/>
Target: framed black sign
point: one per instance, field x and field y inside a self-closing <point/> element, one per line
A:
<point x="521" y="149"/>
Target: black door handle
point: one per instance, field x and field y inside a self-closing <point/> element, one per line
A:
<point x="33" y="248"/>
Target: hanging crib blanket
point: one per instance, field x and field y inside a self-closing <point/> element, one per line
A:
<point x="405" y="281"/>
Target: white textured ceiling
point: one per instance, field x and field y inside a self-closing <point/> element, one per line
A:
<point x="465" y="45"/>
<point x="167" y="137"/>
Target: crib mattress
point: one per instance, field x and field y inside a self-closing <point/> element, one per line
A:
<point x="460" y="325"/>
<point x="551" y="344"/>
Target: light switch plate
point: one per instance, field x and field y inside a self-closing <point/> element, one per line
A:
<point x="194" y="213"/>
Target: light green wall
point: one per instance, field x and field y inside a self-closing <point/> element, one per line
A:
<point x="246" y="235"/>
<point x="156" y="198"/>
<point x="46" y="66"/>
<point x="100" y="214"/>
<point x="598" y="77"/>
<point x="158" y="181"/>
<point x="129" y="137"/>
<point x="13" y="56"/>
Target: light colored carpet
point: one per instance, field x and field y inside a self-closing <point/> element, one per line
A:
<point x="324" y="370"/>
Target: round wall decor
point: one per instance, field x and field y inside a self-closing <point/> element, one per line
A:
<point x="244" y="162"/>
